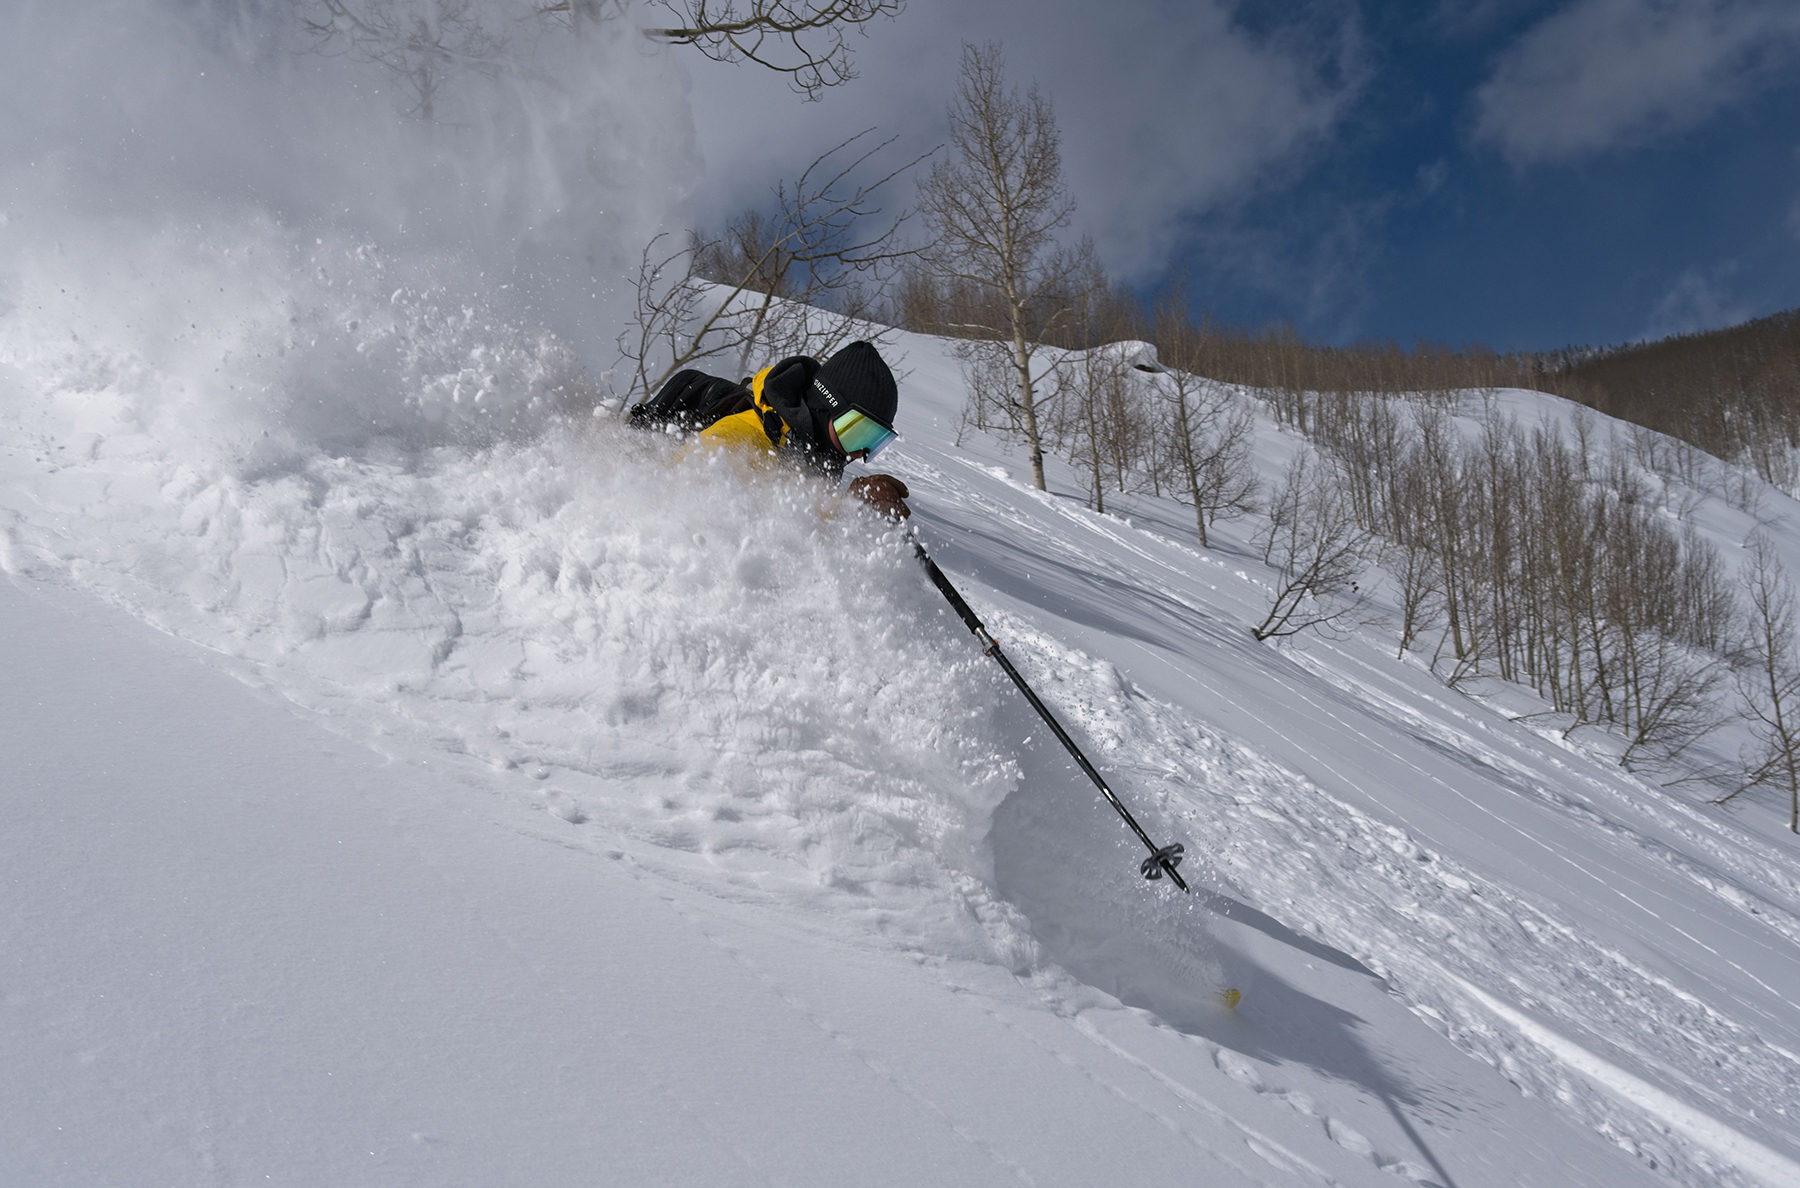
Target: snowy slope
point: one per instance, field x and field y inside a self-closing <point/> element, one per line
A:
<point x="584" y="813"/>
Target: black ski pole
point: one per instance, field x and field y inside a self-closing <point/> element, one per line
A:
<point x="1163" y="859"/>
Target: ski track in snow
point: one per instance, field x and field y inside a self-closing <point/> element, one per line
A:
<point x="1766" y="1165"/>
<point x="740" y="670"/>
<point x="1420" y="921"/>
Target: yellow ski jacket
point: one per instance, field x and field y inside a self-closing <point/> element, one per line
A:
<point x="756" y="433"/>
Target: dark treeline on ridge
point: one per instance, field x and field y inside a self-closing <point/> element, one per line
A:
<point x="1735" y="393"/>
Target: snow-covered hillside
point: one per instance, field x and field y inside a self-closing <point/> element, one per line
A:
<point x="586" y="813"/>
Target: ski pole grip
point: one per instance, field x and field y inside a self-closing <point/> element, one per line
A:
<point x="947" y="590"/>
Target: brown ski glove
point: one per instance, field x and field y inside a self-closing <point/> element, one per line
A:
<point x="883" y="492"/>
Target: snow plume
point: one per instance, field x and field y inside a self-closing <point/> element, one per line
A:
<point x="733" y="667"/>
<point x="259" y="234"/>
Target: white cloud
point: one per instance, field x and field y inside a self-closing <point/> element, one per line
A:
<point x="1695" y="302"/>
<point x="1165" y="110"/>
<point x="1432" y="177"/>
<point x="1600" y="74"/>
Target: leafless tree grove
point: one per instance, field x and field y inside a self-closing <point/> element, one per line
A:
<point x="1734" y="393"/>
<point x="1532" y="564"/>
<point x="803" y="39"/>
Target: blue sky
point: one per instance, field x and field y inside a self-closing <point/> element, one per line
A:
<point x="1526" y="173"/>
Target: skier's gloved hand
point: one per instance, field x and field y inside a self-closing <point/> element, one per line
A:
<point x="883" y="492"/>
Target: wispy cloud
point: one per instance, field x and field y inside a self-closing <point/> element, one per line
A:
<point x="1601" y="74"/>
<point x="1456" y="19"/>
<point x="1697" y="301"/>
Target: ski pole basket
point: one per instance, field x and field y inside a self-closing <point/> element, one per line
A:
<point x="1165" y="859"/>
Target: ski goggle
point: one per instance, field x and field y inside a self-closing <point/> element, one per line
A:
<point x="857" y="431"/>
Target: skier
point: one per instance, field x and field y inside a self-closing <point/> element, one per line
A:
<point x="820" y="416"/>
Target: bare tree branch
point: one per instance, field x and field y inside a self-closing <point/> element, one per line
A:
<point x="803" y="39"/>
<point x="1316" y="547"/>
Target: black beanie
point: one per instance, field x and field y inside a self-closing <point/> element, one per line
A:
<point x="857" y="378"/>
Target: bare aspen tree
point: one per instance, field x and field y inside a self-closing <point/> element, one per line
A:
<point x="1317" y="549"/>
<point x="994" y="208"/>
<point x="1769" y="677"/>
<point x="1745" y="491"/>
<point x="1209" y="432"/>
<point x="1130" y="434"/>
<point x="1503" y="495"/>
<point x="1410" y="550"/>
<point x="1582" y="422"/>
<point x="1217" y="448"/>
<point x="1099" y="397"/>
<point x="1093" y="392"/>
<point x="1447" y="501"/>
<point x="1663" y="688"/>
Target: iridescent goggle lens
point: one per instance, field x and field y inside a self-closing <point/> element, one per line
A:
<point x="858" y="431"/>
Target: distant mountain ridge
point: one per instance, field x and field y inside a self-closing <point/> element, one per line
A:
<point x="1734" y="392"/>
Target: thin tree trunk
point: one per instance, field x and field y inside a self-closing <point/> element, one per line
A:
<point x="1034" y="445"/>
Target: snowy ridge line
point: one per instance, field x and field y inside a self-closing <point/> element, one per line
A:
<point x="1377" y="894"/>
<point x="1740" y="1150"/>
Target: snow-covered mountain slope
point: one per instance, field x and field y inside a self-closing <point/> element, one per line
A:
<point x="587" y="813"/>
